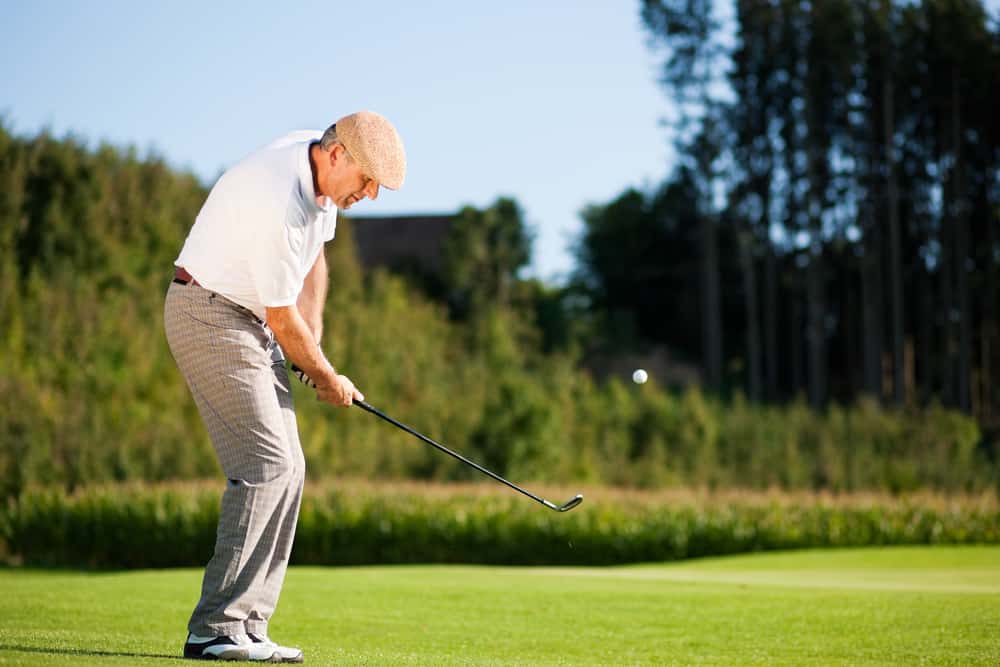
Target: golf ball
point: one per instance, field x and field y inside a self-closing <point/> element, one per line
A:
<point x="639" y="376"/>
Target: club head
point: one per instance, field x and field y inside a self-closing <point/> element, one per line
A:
<point x="570" y="504"/>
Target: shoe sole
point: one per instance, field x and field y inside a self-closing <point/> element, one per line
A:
<point x="275" y="658"/>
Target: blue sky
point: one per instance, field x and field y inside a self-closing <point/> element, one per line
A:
<point x="554" y="103"/>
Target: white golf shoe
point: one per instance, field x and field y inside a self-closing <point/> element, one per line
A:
<point x="239" y="648"/>
<point x="287" y="653"/>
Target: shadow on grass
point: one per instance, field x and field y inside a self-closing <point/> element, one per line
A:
<point x="82" y="652"/>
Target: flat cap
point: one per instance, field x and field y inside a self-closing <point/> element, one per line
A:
<point x="375" y="145"/>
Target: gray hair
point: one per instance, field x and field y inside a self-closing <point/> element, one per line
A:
<point x="329" y="138"/>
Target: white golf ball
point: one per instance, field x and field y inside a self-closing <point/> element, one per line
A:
<point x="639" y="376"/>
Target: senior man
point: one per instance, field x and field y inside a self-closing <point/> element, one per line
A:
<point x="248" y="292"/>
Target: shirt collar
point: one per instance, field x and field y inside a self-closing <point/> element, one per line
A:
<point x="319" y="204"/>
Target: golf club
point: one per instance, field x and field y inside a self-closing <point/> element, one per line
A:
<point x="565" y="507"/>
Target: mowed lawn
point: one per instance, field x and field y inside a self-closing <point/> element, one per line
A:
<point x="905" y="606"/>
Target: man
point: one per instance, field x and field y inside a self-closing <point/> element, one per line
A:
<point x="248" y="292"/>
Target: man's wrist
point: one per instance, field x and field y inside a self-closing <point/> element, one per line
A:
<point x="324" y="378"/>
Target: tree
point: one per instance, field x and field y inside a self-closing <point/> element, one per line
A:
<point x="483" y="253"/>
<point x="857" y="157"/>
<point x="755" y="78"/>
<point x="636" y="258"/>
<point x="689" y="32"/>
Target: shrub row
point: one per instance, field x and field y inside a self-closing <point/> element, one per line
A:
<point x="174" y="525"/>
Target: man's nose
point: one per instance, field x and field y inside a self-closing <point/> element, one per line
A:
<point x="372" y="190"/>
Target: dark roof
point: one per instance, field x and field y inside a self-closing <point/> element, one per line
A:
<point x="398" y="240"/>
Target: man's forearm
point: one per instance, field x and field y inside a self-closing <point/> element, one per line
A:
<point x="298" y="343"/>
<point x="313" y="296"/>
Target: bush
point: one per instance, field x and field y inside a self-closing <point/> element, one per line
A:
<point x="174" y="525"/>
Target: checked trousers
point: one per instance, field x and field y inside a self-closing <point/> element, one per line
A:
<point x="236" y="373"/>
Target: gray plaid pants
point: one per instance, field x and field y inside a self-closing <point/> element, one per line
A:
<point x="236" y="373"/>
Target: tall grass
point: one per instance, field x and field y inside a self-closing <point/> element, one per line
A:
<point x="360" y="523"/>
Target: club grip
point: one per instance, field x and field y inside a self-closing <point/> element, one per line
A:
<point x="301" y="375"/>
<point x="307" y="381"/>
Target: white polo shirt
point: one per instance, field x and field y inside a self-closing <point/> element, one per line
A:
<point x="261" y="228"/>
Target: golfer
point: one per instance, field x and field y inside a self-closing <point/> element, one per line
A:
<point x="247" y="293"/>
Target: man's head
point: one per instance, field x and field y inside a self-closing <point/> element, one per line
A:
<point x="357" y="155"/>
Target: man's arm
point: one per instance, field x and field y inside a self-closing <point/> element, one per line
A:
<point x="299" y="345"/>
<point x="313" y="297"/>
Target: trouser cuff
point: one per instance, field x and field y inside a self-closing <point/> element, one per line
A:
<point x="217" y="629"/>
<point x="256" y="627"/>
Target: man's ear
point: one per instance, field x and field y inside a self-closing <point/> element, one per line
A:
<point x="337" y="153"/>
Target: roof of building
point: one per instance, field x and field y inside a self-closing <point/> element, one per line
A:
<point x="396" y="240"/>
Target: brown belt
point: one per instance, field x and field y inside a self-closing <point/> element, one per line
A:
<point x="182" y="277"/>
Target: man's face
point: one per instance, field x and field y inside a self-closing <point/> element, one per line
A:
<point x="345" y="183"/>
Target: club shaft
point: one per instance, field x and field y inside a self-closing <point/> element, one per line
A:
<point x="432" y="443"/>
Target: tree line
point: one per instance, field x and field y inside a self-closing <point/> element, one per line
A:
<point x="493" y="367"/>
<point x="832" y="228"/>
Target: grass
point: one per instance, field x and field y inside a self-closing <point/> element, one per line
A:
<point x="898" y="605"/>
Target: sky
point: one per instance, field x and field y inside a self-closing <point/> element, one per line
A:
<point x="553" y="103"/>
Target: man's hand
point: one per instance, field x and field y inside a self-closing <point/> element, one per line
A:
<point x="341" y="392"/>
<point x="334" y="393"/>
<point x="301" y="349"/>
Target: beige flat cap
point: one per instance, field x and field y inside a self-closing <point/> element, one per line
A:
<point x="375" y="145"/>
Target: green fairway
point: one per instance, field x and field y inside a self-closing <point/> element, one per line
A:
<point x="906" y="606"/>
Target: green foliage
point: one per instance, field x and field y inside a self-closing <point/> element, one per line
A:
<point x="88" y="238"/>
<point x="482" y="255"/>
<point x="638" y="266"/>
<point x="167" y="526"/>
<point x="517" y="434"/>
<point x="851" y="146"/>
<point x="89" y="392"/>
